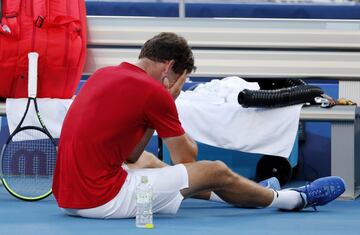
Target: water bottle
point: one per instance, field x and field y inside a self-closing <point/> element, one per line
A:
<point x="144" y="196"/>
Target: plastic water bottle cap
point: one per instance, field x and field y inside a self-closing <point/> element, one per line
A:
<point x="149" y="225"/>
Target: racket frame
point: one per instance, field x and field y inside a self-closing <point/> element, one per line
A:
<point x="32" y="90"/>
<point x="17" y="130"/>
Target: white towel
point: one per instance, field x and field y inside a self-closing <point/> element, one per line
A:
<point x="212" y="115"/>
<point x="52" y="112"/>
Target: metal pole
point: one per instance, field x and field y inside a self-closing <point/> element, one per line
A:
<point x="182" y="9"/>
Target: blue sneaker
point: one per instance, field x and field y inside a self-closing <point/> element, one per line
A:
<point x="272" y="183"/>
<point x="321" y="191"/>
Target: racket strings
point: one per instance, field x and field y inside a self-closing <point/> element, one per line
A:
<point x="28" y="163"/>
<point x="31" y="119"/>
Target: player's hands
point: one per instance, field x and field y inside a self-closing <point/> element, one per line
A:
<point x="176" y="86"/>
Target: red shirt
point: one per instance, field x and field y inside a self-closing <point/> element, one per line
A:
<point x="103" y="125"/>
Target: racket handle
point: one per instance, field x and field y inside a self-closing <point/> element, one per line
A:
<point x="33" y="67"/>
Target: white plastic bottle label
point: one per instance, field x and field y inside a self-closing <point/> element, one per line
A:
<point x="143" y="198"/>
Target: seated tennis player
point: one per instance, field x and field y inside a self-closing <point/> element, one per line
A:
<point x="113" y="118"/>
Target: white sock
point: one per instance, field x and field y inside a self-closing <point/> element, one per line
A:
<point x="216" y="198"/>
<point x="286" y="200"/>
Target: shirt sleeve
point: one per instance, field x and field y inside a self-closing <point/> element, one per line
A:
<point x="161" y="114"/>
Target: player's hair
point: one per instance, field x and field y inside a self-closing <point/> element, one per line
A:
<point x="169" y="46"/>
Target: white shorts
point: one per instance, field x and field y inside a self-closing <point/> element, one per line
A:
<point x="166" y="182"/>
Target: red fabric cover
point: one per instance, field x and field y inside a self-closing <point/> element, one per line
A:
<point x="54" y="29"/>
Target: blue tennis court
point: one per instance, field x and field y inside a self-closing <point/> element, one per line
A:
<point x="194" y="217"/>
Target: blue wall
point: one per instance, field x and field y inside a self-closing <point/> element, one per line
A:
<point x="225" y="10"/>
<point x="315" y="151"/>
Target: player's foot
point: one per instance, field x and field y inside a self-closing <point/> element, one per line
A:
<point x="272" y="183"/>
<point x="321" y="191"/>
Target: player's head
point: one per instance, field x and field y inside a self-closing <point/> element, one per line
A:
<point x="169" y="47"/>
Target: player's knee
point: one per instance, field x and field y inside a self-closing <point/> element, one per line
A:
<point x="147" y="160"/>
<point x="221" y="170"/>
<point x="151" y="162"/>
<point x="220" y="165"/>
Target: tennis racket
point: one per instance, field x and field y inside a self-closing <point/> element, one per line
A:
<point x="28" y="156"/>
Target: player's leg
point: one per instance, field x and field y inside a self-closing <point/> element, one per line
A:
<point x="232" y="188"/>
<point x="239" y="191"/>
<point x="149" y="160"/>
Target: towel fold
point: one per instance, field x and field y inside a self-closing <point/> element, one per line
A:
<point x="52" y="112"/>
<point x="212" y="115"/>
